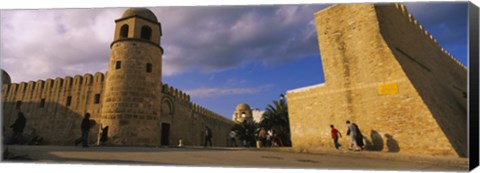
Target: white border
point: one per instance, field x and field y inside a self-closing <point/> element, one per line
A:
<point x="48" y="4"/>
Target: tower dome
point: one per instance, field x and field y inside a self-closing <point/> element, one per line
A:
<point x="243" y="106"/>
<point x="242" y="112"/>
<point x="140" y="12"/>
<point x="5" y="77"/>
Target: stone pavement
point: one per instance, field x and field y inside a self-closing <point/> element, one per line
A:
<point x="235" y="157"/>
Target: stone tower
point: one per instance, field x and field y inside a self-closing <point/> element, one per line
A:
<point x="133" y="80"/>
<point x="243" y="112"/>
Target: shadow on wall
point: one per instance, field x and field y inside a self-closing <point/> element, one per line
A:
<point x="392" y="144"/>
<point x="57" y="124"/>
<point x="447" y="99"/>
<point x="377" y="141"/>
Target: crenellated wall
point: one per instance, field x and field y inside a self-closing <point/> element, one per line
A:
<point x="384" y="72"/>
<point x="188" y="120"/>
<point x="412" y="20"/>
<point x="178" y="94"/>
<point x="54" y="108"/>
<point x="59" y="123"/>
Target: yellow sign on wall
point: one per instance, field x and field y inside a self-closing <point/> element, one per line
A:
<point x="389" y="88"/>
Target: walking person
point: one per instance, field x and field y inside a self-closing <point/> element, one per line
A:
<point x="233" y="135"/>
<point x="208" y="136"/>
<point x="353" y="133"/>
<point x="262" y="136"/>
<point x="335" y="135"/>
<point x="17" y="128"/>
<point x="85" y="127"/>
<point x="104" y="136"/>
<point x="359" y="137"/>
<point x="268" y="140"/>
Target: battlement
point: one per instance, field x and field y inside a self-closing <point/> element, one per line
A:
<point x="178" y="94"/>
<point x="206" y="112"/>
<point x="411" y="19"/>
<point x="44" y="88"/>
<point x="183" y="97"/>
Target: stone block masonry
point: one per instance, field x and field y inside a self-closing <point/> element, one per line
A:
<point x="54" y="110"/>
<point x="387" y="74"/>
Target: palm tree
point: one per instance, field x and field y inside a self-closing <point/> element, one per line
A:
<point x="275" y="118"/>
<point x="246" y="131"/>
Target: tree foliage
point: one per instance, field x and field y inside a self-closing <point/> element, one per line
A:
<point x="246" y="131"/>
<point x="275" y="118"/>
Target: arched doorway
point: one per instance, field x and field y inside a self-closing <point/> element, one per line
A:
<point x="166" y="119"/>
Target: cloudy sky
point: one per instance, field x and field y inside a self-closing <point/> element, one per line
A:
<point x="221" y="56"/>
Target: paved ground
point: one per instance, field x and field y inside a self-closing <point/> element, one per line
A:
<point x="233" y="157"/>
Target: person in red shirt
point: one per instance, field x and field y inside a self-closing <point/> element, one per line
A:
<point x="335" y="135"/>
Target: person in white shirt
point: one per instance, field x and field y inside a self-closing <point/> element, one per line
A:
<point x="233" y="135"/>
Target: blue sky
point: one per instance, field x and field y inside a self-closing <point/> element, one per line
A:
<point x="221" y="56"/>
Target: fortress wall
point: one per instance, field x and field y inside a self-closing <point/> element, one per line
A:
<point x="181" y="124"/>
<point x="8" y="99"/>
<point x="178" y="94"/>
<point x="219" y="125"/>
<point x="439" y="78"/>
<point x="59" y="123"/>
<point x="189" y="120"/>
<point x="4" y="90"/>
<point x="366" y="84"/>
<point x="54" y="120"/>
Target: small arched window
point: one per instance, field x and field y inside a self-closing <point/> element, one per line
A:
<point x="167" y="108"/>
<point x="146" y="33"/>
<point x="118" y="65"/>
<point x="149" y="68"/>
<point x="124" y="31"/>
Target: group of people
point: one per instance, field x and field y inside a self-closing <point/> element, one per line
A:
<point x="265" y="139"/>
<point x="85" y="127"/>
<point x="353" y="131"/>
<point x="19" y="125"/>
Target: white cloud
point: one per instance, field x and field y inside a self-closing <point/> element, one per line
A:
<point x="41" y="44"/>
<point x="216" y="92"/>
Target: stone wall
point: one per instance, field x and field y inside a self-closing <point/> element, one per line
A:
<point x="188" y="120"/>
<point x="54" y="108"/>
<point x="384" y="73"/>
<point x="59" y="123"/>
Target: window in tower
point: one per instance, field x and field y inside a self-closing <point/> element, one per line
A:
<point x="146" y="33"/>
<point x="97" y="98"/>
<point x="69" y="101"/>
<point x="149" y="68"/>
<point x="118" y="65"/>
<point x="124" y="31"/>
